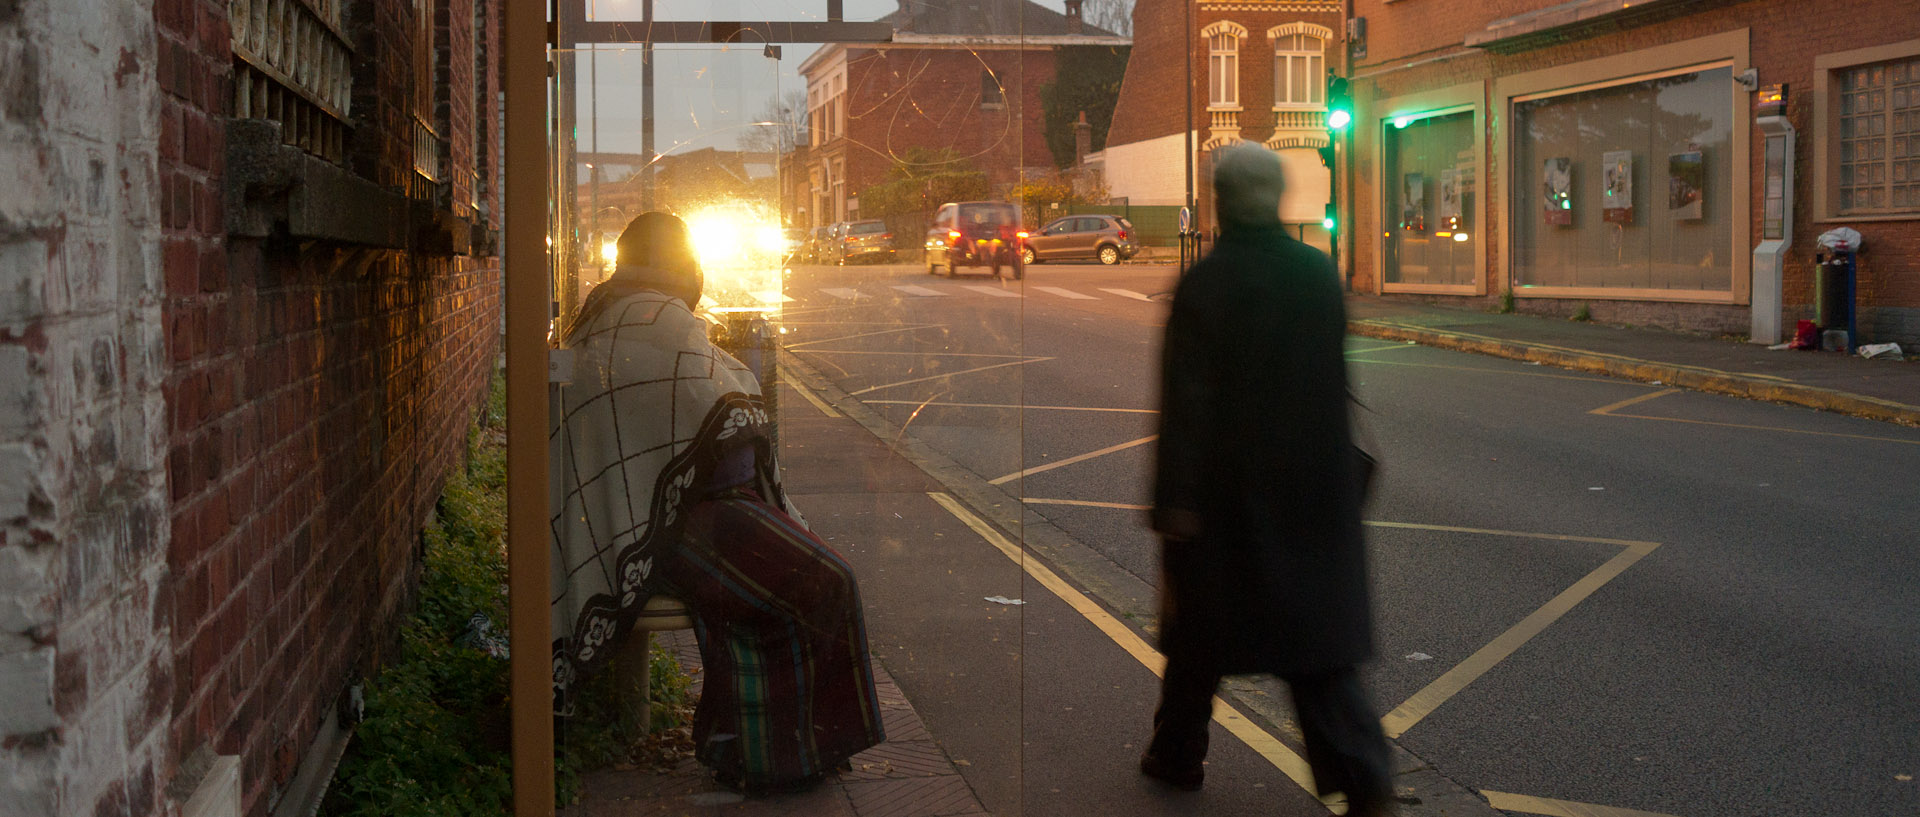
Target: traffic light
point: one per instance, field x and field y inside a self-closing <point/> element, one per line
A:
<point x="1329" y="219"/>
<point x="1326" y="154"/>
<point x="1339" y="103"/>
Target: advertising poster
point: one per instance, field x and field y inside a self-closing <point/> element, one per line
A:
<point x="1413" y="203"/>
<point x="1556" y="180"/>
<point x="1616" y="170"/>
<point x="1450" y="199"/>
<point x="1686" y="185"/>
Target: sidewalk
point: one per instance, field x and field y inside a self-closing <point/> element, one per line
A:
<point x="1885" y="389"/>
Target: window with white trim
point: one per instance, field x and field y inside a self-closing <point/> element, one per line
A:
<point x="1299" y="71"/>
<point x="1880" y="138"/>
<point x="1223" y="70"/>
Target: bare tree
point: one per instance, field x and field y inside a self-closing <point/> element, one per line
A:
<point x="781" y="125"/>
<point x="1113" y="15"/>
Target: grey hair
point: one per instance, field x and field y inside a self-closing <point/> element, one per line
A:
<point x="1247" y="182"/>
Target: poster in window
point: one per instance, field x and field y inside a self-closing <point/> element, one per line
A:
<point x="1686" y="185"/>
<point x="1616" y="172"/>
<point x="1450" y="199"/>
<point x="1413" y="203"/>
<point x="1556" y="181"/>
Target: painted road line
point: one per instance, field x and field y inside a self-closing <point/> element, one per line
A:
<point x="1071" y="460"/>
<point x="921" y="292"/>
<point x="948" y="374"/>
<point x="913" y="328"/>
<point x="809" y="395"/>
<point x="1582" y="378"/>
<point x="1610" y="411"/>
<point x="1066" y="293"/>
<point x="882" y="353"/>
<point x="1424" y="702"/>
<point x="1558" y="808"/>
<point x="1118" y="506"/>
<point x="1006" y="405"/>
<point x="994" y="291"/>
<point x="771" y="296"/>
<point x="1352" y="352"/>
<point x="1269" y="747"/>
<point x="1611" y="407"/>
<point x="1552" y="537"/>
<point x="1127" y="293"/>
<point x="843" y="293"/>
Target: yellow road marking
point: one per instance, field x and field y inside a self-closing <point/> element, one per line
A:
<point x="1011" y="406"/>
<point x="1591" y="379"/>
<point x="1269" y="747"/>
<point x="1558" y="808"/>
<point x="809" y="395"/>
<point x="1608" y="411"/>
<point x="1466" y="672"/>
<point x="904" y="354"/>
<point x="1556" y="537"/>
<point x="950" y="374"/>
<point x="1632" y="401"/>
<point x="1071" y="460"/>
<point x="1382" y="348"/>
<point x="1086" y="504"/>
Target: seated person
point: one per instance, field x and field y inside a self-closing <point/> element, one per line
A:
<point x="669" y="486"/>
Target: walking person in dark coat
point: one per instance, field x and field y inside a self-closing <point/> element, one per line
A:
<point x="1257" y="496"/>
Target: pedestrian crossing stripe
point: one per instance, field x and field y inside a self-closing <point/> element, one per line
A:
<point x="771" y="296"/>
<point x="994" y="291"/>
<point x="843" y="293"/>
<point x="922" y="292"/>
<point x="1127" y="293"/>
<point x="1066" y="293"/>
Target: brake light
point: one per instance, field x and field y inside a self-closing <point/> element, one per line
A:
<point x="953" y="234"/>
<point x="886" y="236"/>
<point x="1021" y="234"/>
<point x="1123" y="235"/>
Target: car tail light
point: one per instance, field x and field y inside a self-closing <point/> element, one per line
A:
<point x="1123" y="235"/>
<point x="953" y="235"/>
<point x="886" y="236"/>
<point x="1021" y="234"/>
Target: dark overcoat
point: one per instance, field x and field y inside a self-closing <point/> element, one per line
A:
<point x="1255" y="440"/>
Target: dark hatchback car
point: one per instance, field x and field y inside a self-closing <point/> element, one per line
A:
<point x="1109" y="239"/>
<point x="976" y="234"/>
<point x="868" y="240"/>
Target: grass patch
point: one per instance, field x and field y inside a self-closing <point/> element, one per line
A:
<point x="434" y="738"/>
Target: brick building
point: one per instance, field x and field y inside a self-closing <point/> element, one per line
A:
<point x="963" y="76"/>
<point x="1615" y="156"/>
<point x="1258" y="71"/>
<point x="249" y="309"/>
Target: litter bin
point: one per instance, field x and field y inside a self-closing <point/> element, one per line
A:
<point x="1833" y="285"/>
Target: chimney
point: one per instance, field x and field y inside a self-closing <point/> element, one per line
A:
<point x="1082" y="132"/>
<point x="1073" y="19"/>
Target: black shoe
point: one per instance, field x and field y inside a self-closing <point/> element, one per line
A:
<point x="1182" y="776"/>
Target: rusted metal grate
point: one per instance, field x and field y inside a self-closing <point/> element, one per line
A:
<point x="292" y="65"/>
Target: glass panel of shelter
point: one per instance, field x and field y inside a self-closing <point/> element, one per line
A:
<point x="855" y="354"/>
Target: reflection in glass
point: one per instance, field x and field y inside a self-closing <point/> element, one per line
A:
<point x="1626" y="187"/>
<point x="1430" y="234"/>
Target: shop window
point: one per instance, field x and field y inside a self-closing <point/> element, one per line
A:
<point x="1626" y="188"/>
<point x="1430" y="189"/>
<point x="1880" y="138"/>
<point x="1299" y="74"/>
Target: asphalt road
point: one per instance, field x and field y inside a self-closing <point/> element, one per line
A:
<point x="1588" y="590"/>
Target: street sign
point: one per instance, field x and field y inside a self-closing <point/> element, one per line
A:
<point x="1186" y="219"/>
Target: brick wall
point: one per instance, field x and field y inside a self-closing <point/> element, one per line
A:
<point x="318" y="394"/>
<point x="1784" y="41"/>
<point x="83" y="630"/>
<point x="901" y="98"/>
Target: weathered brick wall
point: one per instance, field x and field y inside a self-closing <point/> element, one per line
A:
<point x="911" y="97"/>
<point x="1784" y="41"/>
<point x="83" y="631"/>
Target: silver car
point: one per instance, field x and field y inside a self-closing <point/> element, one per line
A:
<point x="1110" y="239"/>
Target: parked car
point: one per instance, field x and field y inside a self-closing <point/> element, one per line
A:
<point x="976" y="234"/>
<point x="1110" y="239"/>
<point x="867" y="240"/>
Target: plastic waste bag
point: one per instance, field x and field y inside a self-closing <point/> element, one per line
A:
<point x="1843" y="239"/>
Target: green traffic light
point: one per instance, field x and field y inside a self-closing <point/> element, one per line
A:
<point x="1327" y="223"/>
<point x="1339" y="119"/>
